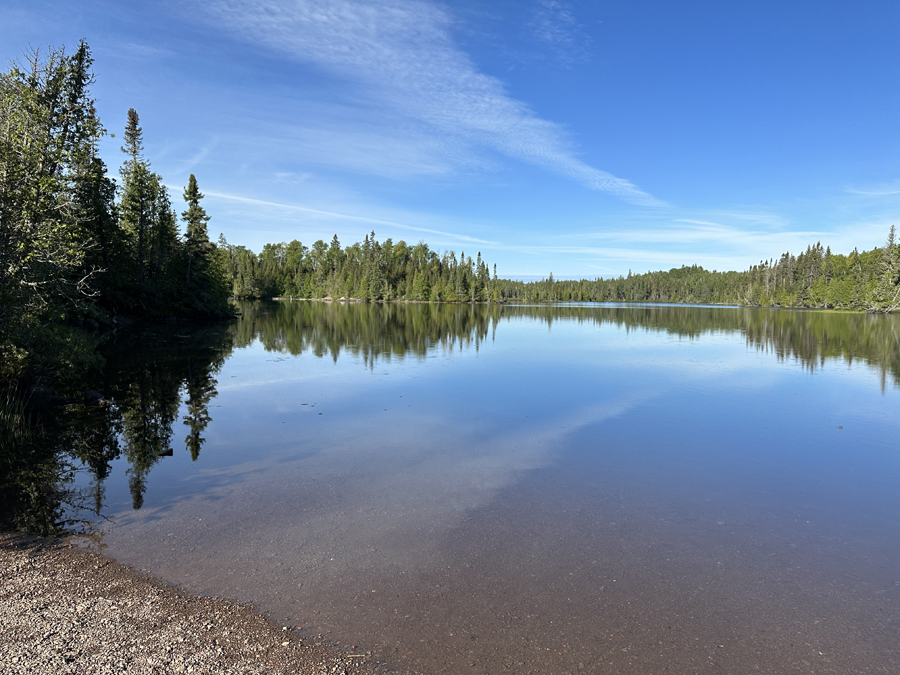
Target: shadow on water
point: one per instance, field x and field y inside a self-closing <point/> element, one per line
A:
<point x="155" y="378"/>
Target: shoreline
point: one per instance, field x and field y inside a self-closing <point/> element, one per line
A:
<point x="66" y="609"/>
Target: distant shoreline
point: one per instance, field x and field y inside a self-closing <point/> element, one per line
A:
<point x="659" y="303"/>
<point x="382" y="301"/>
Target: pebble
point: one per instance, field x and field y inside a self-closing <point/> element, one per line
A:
<point x="66" y="610"/>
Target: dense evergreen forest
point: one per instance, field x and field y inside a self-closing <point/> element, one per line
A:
<point x="364" y="271"/>
<point x="78" y="248"/>
<point x="816" y="278"/>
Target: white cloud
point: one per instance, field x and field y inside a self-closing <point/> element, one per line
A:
<point x="401" y="57"/>
<point x="339" y="216"/>
<point x="554" y="24"/>
<point x="380" y="152"/>
<point x="879" y="190"/>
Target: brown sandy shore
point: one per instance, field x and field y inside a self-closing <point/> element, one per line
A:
<point x="64" y="609"/>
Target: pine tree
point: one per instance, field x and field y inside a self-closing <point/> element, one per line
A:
<point x="150" y="224"/>
<point x="197" y="241"/>
<point x="137" y="197"/>
<point x="886" y="297"/>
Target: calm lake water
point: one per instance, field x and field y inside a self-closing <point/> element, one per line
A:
<point x="551" y="489"/>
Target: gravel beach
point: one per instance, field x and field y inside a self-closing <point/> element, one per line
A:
<point x="64" y="609"/>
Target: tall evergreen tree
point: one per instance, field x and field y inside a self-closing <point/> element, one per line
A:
<point x="886" y="297"/>
<point x="137" y="197"/>
<point x="149" y="222"/>
<point x="196" y="238"/>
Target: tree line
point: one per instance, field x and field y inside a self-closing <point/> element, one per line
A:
<point x="816" y="278"/>
<point x="77" y="247"/>
<point x="367" y="270"/>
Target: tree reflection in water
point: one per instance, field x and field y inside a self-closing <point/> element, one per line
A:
<point x="150" y="374"/>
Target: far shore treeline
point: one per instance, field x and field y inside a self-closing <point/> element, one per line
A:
<point x="814" y="279"/>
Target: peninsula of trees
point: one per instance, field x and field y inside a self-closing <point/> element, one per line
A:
<point x="364" y="271"/>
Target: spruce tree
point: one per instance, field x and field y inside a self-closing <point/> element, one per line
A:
<point x="197" y="241"/>
<point x="148" y="220"/>
<point x="137" y="197"/>
<point x="887" y="293"/>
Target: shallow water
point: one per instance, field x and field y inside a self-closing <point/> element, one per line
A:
<point x="551" y="489"/>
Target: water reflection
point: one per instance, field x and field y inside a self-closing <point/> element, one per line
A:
<point x="591" y="477"/>
<point x="367" y="331"/>
<point x="145" y="376"/>
<point x="578" y="473"/>
<point x="155" y="376"/>
<point x="373" y="331"/>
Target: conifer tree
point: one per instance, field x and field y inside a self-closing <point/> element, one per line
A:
<point x="149" y="222"/>
<point x="137" y="196"/>
<point x="887" y="294"/>
<point x="197" y="242"/>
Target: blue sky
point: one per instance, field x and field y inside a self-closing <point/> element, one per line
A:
<point x="583" y="138"/>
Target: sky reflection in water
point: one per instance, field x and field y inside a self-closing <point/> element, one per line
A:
<point x="652" y="443"/>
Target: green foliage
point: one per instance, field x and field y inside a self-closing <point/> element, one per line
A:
<point x="814" y="279"/>
<point x="367" y="270"/>
<point x="48" y="134"/>
<point x="886" y="296"/>
<point x="70" y="254"/>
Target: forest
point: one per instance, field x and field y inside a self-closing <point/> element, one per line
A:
<point x="364" y="271"/>
<point x="816" y="278"/>
<point x="79" y="249"/>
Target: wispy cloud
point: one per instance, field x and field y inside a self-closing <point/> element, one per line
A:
<point x="137" y="51"/>
<point x="336" y="215"/>
<point x="879" y="190"/>
<point x="401" y="56"/>
<point x="379" y="151"/>
<point x="189" y="163"/>
<point x="554" y="24"/>
<point x="638" y="256"/>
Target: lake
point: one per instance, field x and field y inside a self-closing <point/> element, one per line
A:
<point x="518" y="489"/>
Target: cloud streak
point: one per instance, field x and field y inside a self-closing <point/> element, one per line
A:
<point x="346" y="216"/>
<point x="554" y="24"/>
<point x="401" y="56"/>
<point x="882" y="190"/>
